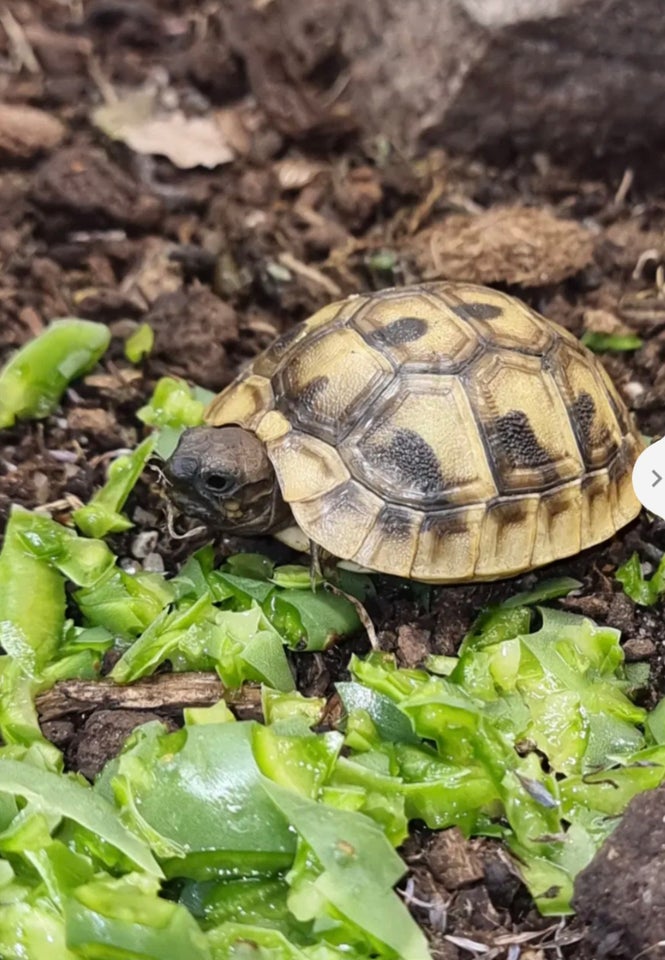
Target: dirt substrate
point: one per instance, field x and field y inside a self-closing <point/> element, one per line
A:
<point x="219" y="262"/>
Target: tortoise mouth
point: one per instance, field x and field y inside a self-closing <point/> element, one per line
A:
<point x="248" y="512"/>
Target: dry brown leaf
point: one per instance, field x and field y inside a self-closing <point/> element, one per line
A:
<point x="519" y="245"/>
<point x="188" y="142"/>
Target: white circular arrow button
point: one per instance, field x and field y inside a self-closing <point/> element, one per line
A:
<point x="649" y="478"/>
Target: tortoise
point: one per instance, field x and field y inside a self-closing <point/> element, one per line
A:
<point x="444" y="432"/>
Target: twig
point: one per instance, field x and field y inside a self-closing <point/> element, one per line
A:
<point x="311" y="273"/>
<point x="170" y="691"/>
<point x="20" y="47"/>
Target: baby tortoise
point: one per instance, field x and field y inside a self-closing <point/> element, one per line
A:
<point x="444" y="432"/>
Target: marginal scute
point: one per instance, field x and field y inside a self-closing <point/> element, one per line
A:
<point x="558" y="531"/>
<point x="507" y="537"/>
<point x="391" y="543"/>
<point x="597" y="522"/>
<point x="448" y="545"/>
<point x="339" y="520"/>
<point x="625" y="504"/>
<point x="306" y="467"/>
<point x="445" y="432"/>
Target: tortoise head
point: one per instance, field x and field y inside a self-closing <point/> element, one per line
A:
<point x="223" y="475"/>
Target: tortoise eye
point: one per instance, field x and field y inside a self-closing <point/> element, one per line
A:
<point x="219" y="483"/>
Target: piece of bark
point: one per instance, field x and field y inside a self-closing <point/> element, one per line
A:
<point x="167" y="691"/>
<point x="577" y="78"/>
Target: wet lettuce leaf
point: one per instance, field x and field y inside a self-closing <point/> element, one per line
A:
<point x="35" y="378"/>
<point x="102" y="515"/>
<point x="640" y="589"/>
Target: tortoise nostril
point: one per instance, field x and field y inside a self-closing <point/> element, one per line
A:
<point x="218" y="483"/>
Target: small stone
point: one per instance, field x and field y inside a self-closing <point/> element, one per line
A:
<point x="144" y="543"/>
<point x="144" y="517"/>
<point x="639" y="648"/>
<point x="413" y="645"/>
<point x="41" y="487"/>
<point x="91" y="419"/>
<point x="25" y="131"/>
<point x="153" y="563"/>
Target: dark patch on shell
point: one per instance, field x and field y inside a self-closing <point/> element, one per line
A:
<point x="395" y="525"/>
<point x="404" y="330"/>
<point x="621" y="461"/>
<point x="477" y="311"/>
<point x="510" y="511"/>
<point x="306" y="398"/>
<point x="408" y="461"/>
<point x="446" y="524"/>
<point x="266" y="362"/>
<point x="584" y="411"/>
<point x="520" y="444"/>
<point x="282" y="342"/>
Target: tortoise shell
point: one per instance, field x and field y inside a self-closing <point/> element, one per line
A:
<point x="444" y="432"/>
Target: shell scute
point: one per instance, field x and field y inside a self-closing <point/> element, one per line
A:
<point x="529" y="436"/>
<point x="420" y="445"/>
<point x="328" y="383"/>
<point x="497" y="318"/>
<point x="415" y="331"/>
<point x="589" y="405"/>
<point x="244" y="402"/>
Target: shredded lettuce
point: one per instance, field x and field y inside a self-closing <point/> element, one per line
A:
<point x="641" y="590"/>
<point x="227" y="838"/>
<point x="34" y="380"/>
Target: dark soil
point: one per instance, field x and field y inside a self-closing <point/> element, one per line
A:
<point x="624" y="882"/>
<point x="221" y="261"/>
